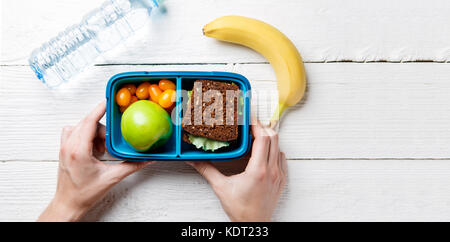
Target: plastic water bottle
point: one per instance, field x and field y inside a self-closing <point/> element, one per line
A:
<point x="56" y="61"/>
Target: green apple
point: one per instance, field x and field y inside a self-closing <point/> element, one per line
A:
<point x="145" y="125"/>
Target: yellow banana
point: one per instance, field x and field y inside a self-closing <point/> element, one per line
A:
<point x="274" y="46"/>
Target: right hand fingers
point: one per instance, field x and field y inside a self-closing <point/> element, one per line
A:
<point x="260" y="149"/>
<point x="283" y="164"/>
<point x="283" y="170"/>
<point x="209" y="172"/>
<point x="274" y="152"/>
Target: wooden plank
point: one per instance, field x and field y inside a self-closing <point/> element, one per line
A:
<point x="34" y="121"/>
<point x="317" y="190"/>
<point x="325" y="30"/>
<point x="350" y="110"/>
<point x="367" y="111"/>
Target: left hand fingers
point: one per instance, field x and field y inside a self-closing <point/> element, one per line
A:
<point x="118" y="172"/>
<point x="86" y="130"/>
<point x="99" y="145"/>
<point x="101" y="131"/>
<point x="99" y="141"/>
<point x="65" y="133"/>
<point x="90" y="122"/>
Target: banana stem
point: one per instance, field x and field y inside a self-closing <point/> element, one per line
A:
<point x="277" y="114"/>
<point x="273" y="124"/>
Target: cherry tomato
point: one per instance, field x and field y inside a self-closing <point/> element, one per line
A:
<point x="165" y="84"/>
<point x="167" y="98"/>
<point x="133" y="100"/>
<point x="131" y="88"/>
<point x="142" y="90"/>
<point x="122" y="109"/>
<point x="155" y="92"/>
<point x="169" y="109"/>
<point x="123" y="97"/>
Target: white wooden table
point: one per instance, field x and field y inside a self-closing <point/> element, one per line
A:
<point x="371" y="141"/>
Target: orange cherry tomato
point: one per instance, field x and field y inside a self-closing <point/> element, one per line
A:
<point x="133" y="100"/>
<point x="122" y="109"/>
<point x="167" y="98"/>
<point x="154" y="92"/>
<point x="169" y="109"/>
<point x="165" y="84"/>
<point x="123" y="97"/>
<point x="142" y="90"/>
<point x="131" y="88"/>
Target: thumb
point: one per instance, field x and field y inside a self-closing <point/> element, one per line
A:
<point x="209" y="172"/>
<point x="127" y="168"/>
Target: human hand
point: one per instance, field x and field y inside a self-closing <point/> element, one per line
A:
<point x="82" y="178"/>
<point x="253" y="194"/>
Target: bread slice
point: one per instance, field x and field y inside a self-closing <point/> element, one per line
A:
<point x="216" y="130"/>
<point x="185" y="137"/>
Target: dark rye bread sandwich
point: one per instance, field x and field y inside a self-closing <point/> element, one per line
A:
<point x="210" y="121"/>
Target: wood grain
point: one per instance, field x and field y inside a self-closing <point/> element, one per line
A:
<point x="317" y="190"/>
<point x="351" y="110"/>
<point x="323" y="30"/>
<point x="370" y="141"/>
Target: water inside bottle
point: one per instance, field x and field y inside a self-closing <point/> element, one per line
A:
<point x="58" y="60"/>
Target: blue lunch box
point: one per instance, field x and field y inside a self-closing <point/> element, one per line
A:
<point x="175" y="149"/>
